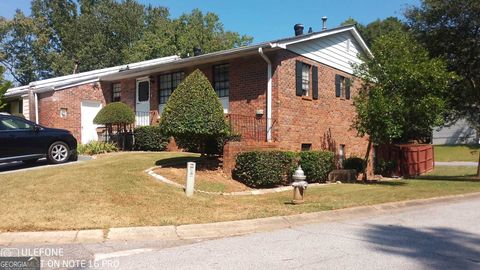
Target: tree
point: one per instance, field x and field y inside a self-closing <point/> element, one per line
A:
<point x="4" y="85"/>
<point x="377" y="28"/>
<point x="194" y="113"/>
<point x="116" y="116"/>
<point x="402" y="91"/>
<point x="65" y="36"/>
<point x="451" y="29"/>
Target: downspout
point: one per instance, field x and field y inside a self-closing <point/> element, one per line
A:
<point x="269" y="94"/>
<point x="36" y="107"/>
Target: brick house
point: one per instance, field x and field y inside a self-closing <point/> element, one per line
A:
<point x="293" y="93"/>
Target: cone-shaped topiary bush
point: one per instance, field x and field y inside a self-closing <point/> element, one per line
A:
<point x="194" y="113"/>
<point x="114" y="114"/>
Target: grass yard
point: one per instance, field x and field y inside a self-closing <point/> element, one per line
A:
<point x="456" y="152"/>
<point x="113" y="191"/>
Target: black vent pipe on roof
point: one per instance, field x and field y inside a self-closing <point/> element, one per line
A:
<point x="298" y="29"/>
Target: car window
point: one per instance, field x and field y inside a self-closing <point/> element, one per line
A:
<point x="14" y="124"/>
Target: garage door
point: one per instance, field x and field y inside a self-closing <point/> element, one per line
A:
<point x="88" y="112"/>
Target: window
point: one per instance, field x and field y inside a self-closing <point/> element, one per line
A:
<point x="143" y="91"/>
<point x="220" y="80"/>
<point x="63" y="112"/>
<point x="306" y="147"/>
<point x="14" y="124"/>
<point x="168" y="83"/>
<point x="342" y="87"/>
<point x="116" y="92"/>
<point x="305" y="79"/>
<point x="341" y="153"/>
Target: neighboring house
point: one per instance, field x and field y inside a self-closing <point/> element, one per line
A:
<point x="458" y="133"/>
<point x="294" y="92"/>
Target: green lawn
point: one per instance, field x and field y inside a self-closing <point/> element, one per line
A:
<point x="456" y="152"/>
<point x="113" y="191"/>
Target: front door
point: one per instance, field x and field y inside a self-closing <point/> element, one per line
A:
<point x="88" y="112"/>
<point x="142" y="108"/>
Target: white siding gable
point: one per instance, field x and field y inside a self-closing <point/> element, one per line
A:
<point x="338" y="50"/>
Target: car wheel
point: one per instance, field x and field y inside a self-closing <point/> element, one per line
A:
<point x="58" y="152"/>
<point x="30" y="161"/>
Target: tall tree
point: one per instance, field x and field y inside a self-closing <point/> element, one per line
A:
<point x="402" y="91"/>
<point x="61" y="36"/>
<point x="4" y="85"/>
<point x="377" y="28"/>
<point x="451" y="29"/>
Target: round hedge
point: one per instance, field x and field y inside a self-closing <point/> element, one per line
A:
<point x="115" y="113"/>
<point x="193" y="112"/>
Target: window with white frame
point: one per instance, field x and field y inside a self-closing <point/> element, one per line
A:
<point x="305" y="79"/>
<point x="167" y="84"/>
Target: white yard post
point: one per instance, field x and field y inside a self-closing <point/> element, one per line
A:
<point x="190" y="179"/>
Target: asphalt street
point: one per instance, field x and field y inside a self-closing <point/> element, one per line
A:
<point x="445" y="236"/>
<point x="438" y="236"/>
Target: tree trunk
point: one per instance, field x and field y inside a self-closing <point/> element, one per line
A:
<point x="367" y="156"/>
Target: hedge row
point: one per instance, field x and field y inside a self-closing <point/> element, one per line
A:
<point x="271" y="168"/>
<point x="150" y="138"/>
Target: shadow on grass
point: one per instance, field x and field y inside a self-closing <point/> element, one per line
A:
<point x="390" y="183"/>
<point x="434" y="247"/>
<point x="203" y="164"/>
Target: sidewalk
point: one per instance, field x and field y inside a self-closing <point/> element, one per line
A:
<point x="456" y="163"/>
<point x="216" y="230"/>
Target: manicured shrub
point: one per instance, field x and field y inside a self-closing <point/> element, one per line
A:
<point x="150" y="138"/>
<point x="354" y="163"/>
<point x="264" y="168"/>
<point x="95" y="148"/>
<point x="317" y="165"/>
<point x="193" y="114"/>
<point x="115" y="113"/>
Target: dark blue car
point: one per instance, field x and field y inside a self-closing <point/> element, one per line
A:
<point x="23" y="140"/>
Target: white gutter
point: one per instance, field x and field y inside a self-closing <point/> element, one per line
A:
<point x="269" y="94"/>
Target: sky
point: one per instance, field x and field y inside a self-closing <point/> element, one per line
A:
<point x="268" y="19"/>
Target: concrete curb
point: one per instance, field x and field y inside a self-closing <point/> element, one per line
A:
<point x="219" y="229"/>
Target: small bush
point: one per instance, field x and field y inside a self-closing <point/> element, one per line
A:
<point x="115" y="113"/>
<point x="317" y="165"/>
<point x="385" y="167"/>
<point x="264" y="168"/>
<point x="354" y="163"/>
<point x="150" y="138"/>
<point x="95" y="148"/>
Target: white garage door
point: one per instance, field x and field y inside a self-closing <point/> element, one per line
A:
<point x="88" y="112"/>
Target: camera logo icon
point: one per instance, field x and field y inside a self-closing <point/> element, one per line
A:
<point x="9" y="252"/>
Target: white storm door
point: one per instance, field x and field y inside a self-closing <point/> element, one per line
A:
<point x="142" y="106"/>
<point x="89" y="110"/>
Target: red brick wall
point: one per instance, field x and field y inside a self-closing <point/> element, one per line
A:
<point x="325" y="123"/>
<point x="50" y="104"/>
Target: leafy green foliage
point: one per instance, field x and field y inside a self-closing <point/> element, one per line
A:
<point x="402" y="91"/>
<point x="95" y="148"/>
<point x="264" y="168"/>
<point x="317" y="164"/>
<point x="150" y="138"/>
<point x="450" y="29"/>
<point x="115" y="113"/>
<point x="354" y="163"/>
<point x="98" y="34"/>
<point x="377" y="28"/>
<point x="4" y="85"/>
<point x="385" y="167"/>
<point x="193" y="113"/>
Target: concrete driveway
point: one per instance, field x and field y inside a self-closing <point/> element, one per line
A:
<point x="19" y="166"/>
<point x="443" y="236"/>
